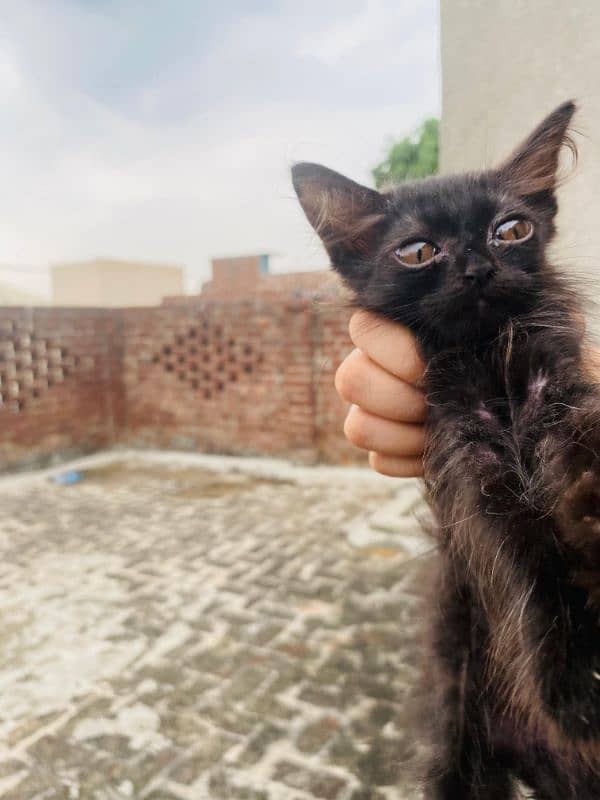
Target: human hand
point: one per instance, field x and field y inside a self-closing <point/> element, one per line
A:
<point x="380" y="379"/>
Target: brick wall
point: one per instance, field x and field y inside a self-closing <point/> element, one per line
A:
<point x="59" y="382"/>
<point x="251" y="376"/>
<point x="221" y="377"/>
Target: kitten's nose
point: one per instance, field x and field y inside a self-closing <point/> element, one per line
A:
<point x="478" y="273"/>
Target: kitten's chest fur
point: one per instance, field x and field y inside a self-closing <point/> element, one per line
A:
<point x="491" y="409"/>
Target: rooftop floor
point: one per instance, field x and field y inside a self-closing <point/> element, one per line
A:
<point x="180" y="629"/>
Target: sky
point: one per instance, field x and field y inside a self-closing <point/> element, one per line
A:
<point x="164" y="130"/>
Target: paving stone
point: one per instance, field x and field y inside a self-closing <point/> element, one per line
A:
<point x="259" y="743"/>
<point x="324" y="697"/>
<point x="367" y="793"/>
<point x="245" y="682"/>
<point x="221" y="788"/>
<point x="205" y="756"/>
<point x="316" y="735"/>
<point x="11" y="767"/>
<point x="320" y="784"/>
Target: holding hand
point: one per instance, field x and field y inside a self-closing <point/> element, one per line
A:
<point x="380" y="378"/>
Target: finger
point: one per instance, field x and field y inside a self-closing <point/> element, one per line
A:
<point x="374" y="433"/>
<point x="395" y="466"/>
<point x="360" y="381"/>
<point x="388" y="344"/>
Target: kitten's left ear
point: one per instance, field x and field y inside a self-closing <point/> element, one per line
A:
<point x="346" y="215"/>
<point x="532" y="168"/>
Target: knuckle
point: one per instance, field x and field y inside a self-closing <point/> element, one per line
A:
<point x="375" y="461"/>
<point x="346" y="383"/>
<point x="356" y="429"/>
<point x="342" y="381"/>
<point x="356" y="326"/>
<point x="353" y="325"/>
<point x="385" y="466"/>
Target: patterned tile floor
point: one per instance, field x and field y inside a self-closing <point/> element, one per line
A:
<point x="174" y="631"/>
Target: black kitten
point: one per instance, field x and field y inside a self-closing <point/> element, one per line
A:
<point x="512" y="462"/>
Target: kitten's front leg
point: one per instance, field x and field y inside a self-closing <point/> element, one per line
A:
<point x="570" y="455"/>
<point x="578" y="516"/>
<point x="568" y="660"/>
<point x="463" y="763"/>
<point x="559" y="429"/>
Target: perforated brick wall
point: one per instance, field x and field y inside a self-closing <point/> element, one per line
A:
<point x="59" y="382"/>
<point x="223" y="377"/>
<point x="250" y="376"/>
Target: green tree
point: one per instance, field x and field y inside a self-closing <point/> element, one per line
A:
<point x="415" y="156"/>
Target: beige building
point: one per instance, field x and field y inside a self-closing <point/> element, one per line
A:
<point x="110" y="284"/>
<point x="15" y="296"/>
<point x="507" y="63"/>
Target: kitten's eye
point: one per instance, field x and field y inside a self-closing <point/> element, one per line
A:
<point x="416" y="254"/>
<point x="513" y="230"/>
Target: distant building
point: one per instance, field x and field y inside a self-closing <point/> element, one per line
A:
<point x="507" y="64"/>
<point x="243" y="276"/>
<point x="14" y="296"/>
<point x="109" y="283"/>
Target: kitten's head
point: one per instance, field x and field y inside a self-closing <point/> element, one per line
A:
<point x="454" y="258"/>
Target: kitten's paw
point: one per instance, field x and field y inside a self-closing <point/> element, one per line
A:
<point x="579" y="510"/>
<point x="583" y="498"/>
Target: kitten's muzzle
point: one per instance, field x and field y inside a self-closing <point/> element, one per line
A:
<point x="478" y="274"/>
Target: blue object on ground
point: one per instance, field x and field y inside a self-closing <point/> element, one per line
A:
<point x="67" y="478"/>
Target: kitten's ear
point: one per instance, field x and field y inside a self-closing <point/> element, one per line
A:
<point x="532" y="168"/>
<point x="347" y="216"/>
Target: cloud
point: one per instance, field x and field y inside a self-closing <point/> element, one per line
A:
<point x="368" y="29"/>
<point x="168" y="136"/>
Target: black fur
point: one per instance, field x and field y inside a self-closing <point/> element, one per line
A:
<point x="512" y="461"/>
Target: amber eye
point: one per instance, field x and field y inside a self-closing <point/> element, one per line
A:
<point x="513" y="230"/>
<point x="416" y="254"/>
